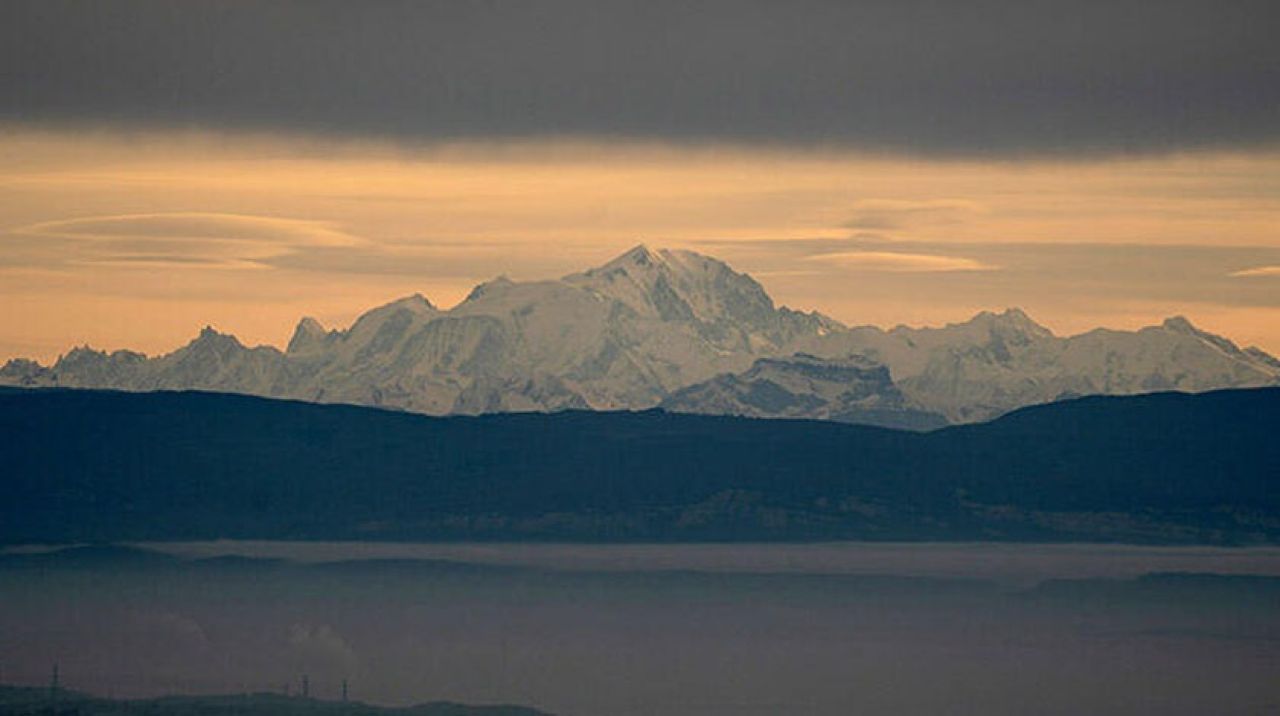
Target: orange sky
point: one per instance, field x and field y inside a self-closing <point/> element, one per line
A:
<point x="128" y="240"/>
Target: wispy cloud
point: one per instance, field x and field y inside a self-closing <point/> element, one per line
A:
<point x="895" y="262"/>
<point x="898" y="213"/>
<point x="207" y="239"/>
<point x="1256" y="271"/>
<point x="180" y="228"/>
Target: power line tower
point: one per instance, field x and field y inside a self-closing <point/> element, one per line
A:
<point x="344" y="691"/>
<point x="53" y="687"/>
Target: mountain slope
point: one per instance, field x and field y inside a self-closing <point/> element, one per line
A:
<point x="635" y="331"/>
<point x="998" y="362"/>
<point x="623" y="335"/>
<point x="1170" y="467"/>
<point x="852" y="390"/>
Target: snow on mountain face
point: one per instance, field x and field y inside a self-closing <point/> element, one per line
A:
<point x="213" y="361"/>
<point x="623" y="335"/>
<point x="997" y="362"/>
<point x="25" y="373"/>
<point x="850" y="390"/>
<point x="639" y="329"/>
<point x="727" y="308"/>
<point x="628" y="333"/>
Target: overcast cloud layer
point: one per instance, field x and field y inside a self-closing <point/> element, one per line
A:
<point x="973" y="78"/>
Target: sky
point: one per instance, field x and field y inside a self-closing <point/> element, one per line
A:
<point x="167" y="165"/>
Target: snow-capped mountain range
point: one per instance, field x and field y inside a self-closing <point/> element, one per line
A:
<point x="680" y="330"/>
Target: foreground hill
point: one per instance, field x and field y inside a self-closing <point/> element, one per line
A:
<point x="94" y="466"/>
<point x="853" y="390"/>
<point x="27" y="701"/>
<point x="674" y="326"/>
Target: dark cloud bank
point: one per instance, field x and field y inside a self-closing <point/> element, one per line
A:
<point x="915" y="76"/>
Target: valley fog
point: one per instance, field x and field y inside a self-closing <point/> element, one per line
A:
<point x="671" y="629"/>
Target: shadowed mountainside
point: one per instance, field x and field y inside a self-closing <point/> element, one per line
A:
<point x="29" y="701"/>
<point x="92" y="466"/>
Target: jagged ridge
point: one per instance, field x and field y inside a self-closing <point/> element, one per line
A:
<point x="651" y="326"/>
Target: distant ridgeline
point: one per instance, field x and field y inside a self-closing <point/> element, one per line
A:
<point x="30" y="701"/>
<point x="678" y="330"/>
<point x="84" y="466"/>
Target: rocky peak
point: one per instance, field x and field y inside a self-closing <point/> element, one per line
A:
<point x="211" y="341"/>
<point x="26" y="373"/>
<point x="86" y="367"/>
<point x="81" y="354"/>
<point x="308" y="335"/>
<point x="1011" y="322"/>
<point x="1182" y="326"/>
<point x="676" y="285"/>
<point x="415" y="306"/>
<point x="639" y="264"/>
<point x="416" y="303"/>
<point x="638" y="255"/>
<point x="84" y="356"/>
<point x="1179" y="324"/>
<point x="488" y="288"/>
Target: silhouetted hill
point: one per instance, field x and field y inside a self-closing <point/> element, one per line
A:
<point x="28" y="701"/>
<point x="106" y="466"/>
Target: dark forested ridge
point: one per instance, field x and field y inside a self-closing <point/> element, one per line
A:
<point x="101" y="466"/>
<point x="30" y="701"/>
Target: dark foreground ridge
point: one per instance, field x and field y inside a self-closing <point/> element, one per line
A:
<point x="87" y="466"/>
<point x="31" y="701"/>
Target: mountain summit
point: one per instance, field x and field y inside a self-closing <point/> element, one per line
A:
<point x="668" y="325"/>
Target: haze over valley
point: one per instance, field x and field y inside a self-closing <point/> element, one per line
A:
<point x="639" y="358"/>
